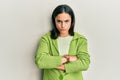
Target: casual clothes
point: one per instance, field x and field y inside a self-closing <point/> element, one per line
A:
<point x="48" y="58"/>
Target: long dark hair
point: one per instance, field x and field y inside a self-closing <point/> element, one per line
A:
<point x="60" y="9"/>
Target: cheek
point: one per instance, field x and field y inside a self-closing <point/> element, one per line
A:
<point x="69" y="25"/>
<point x="58" y="26"/>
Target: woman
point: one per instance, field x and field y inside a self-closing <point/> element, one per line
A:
<point x="63" y="53"/>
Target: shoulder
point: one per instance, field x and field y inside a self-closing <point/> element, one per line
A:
<point x="79" y="36"/>
<point x="46" y="35"/>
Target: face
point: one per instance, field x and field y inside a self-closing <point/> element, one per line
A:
<point x="63" y="23"/>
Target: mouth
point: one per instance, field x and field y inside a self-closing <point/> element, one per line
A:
<point x="63" y="29"/>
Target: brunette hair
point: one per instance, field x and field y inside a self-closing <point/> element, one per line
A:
<point x="60" y="9"/>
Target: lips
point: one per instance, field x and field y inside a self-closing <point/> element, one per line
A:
<point x="63" y="29"/>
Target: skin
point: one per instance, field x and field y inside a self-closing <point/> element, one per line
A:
<point x="63" y="23"/>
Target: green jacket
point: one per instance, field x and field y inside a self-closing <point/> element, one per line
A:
<point x="47" y="58"/>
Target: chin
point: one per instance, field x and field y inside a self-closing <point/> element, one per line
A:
<point x="64" y="32"/>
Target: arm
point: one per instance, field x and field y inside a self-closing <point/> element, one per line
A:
<point x="43" y="58"/>
<point x="62" y="67"/>
<point x="66" y="59"/>
<point x="83" y="59"/>
<point x="71" y="58"/>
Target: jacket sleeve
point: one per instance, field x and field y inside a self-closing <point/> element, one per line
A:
<point x="83" y="61"/>
<point x="43" y="59"/>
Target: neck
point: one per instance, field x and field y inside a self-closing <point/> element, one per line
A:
<point x="64" y="35"/>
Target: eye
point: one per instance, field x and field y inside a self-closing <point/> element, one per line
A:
<point x="58" y="21"/>
<point x="66" y="20"/>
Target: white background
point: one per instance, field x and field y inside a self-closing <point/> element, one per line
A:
<point x="23" y="22"/>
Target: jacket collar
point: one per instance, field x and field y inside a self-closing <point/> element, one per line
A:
<point x="54" y="41"/>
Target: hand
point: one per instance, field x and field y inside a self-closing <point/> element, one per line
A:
<point x="64" y="60"/>
<point x="61" y="67"/>
<point x="71" y="58"/>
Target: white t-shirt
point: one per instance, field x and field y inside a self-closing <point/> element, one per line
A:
<point x="63" y="44"/>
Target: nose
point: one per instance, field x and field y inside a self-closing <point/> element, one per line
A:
<point x="63" y="25"/>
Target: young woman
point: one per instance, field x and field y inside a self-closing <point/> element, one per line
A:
<point x="63" y="53"/>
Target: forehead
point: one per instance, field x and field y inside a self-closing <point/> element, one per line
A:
<point x="63" y="16"/>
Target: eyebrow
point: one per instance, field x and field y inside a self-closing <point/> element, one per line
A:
<point x="64" y="20"/>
